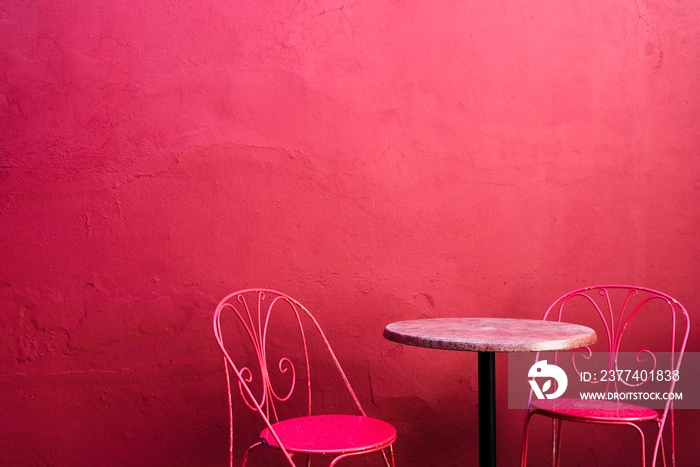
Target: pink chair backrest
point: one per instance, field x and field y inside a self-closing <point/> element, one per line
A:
<point x="256" y="316"/>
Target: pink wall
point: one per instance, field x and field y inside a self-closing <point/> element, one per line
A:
<point x="376" y="160"/>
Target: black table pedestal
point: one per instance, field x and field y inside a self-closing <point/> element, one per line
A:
<point x="487" y="409"/>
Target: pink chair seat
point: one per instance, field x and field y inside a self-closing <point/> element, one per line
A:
<point x="595" y="410"/>
<point x="331" y="434"/>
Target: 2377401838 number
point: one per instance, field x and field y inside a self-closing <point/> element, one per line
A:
<point x="631" y="376"/>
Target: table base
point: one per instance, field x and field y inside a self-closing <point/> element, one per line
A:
<point x="487" y="409"/>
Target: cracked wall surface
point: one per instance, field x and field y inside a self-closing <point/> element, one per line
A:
<point x="378" y="161"/>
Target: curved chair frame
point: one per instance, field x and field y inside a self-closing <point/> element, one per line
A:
<point x="253" y="309"/>
<point x="615" y="325"/>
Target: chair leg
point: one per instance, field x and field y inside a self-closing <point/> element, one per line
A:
<point x="391" y="452"/>
<point x="523" y="449"/>
<point x="247" y="451"/>
<point x="556" y="442"/>
<point x="644" y="450"/>
<point x="660" y="442"/>
<point x="391" y="455"/>
<point x="386" y="461"/>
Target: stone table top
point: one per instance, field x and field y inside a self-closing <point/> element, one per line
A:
<point x="490" y="334"/>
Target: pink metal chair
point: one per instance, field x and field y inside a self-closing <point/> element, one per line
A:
<point x="619" y="308"/>
<point x="256" y="316"/>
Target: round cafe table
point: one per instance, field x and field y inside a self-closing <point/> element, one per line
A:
<point x="487" y="336"/>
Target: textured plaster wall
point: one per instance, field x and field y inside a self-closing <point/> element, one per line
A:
<point x="377" y="160"/>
